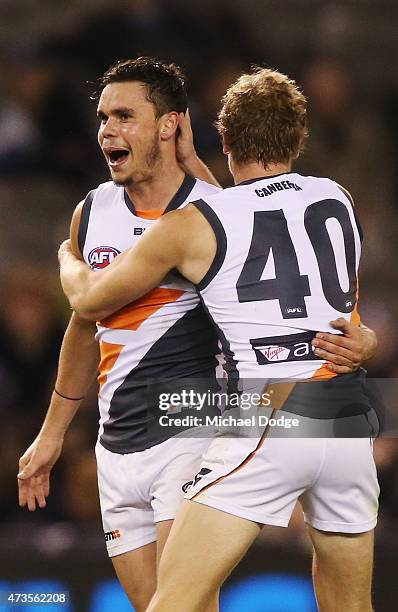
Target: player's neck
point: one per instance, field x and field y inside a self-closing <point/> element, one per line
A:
<point x="156" y="192"/>
<point x="246" y="172"/>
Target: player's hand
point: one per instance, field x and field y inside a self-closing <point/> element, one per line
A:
<point x="187" y="157"/>
<point x="34" y="471"/>
<point x="345" y="352"/>
<point x="185" y="148"/>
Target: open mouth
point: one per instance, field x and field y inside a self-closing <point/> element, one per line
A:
<point x="116" y="157"/>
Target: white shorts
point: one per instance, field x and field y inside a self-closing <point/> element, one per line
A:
<point x="138" y="490"/>
<point x="261" y="480"/>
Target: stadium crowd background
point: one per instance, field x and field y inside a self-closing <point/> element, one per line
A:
<point x="342" y="53"/>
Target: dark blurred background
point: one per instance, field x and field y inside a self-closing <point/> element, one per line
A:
<point x="344" y="55"/>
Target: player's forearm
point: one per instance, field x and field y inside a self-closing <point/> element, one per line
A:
<point x="78" y="364"/>
<point x="79" y="284"/>
<point x="369" y="342"/>
<point x="95" y="295"/>
<point x="194" y="166"/>
<point x="91" y="295"/>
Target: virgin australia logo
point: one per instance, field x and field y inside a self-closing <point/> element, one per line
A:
<point x="275" y="353"/>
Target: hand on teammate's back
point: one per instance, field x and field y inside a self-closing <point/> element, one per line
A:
<point x="347" y="351"/>
<point x="34" y="471"/>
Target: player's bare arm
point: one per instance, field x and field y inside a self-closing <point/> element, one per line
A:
<point x="71" y="385"/>
<point x="181" y="239"/>
<point x="186" y="153"/>
<point x="348" y="350"/>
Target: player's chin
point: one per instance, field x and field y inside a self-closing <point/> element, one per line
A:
<point x="120" y="178"/>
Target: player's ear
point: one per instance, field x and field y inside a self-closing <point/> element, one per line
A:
<point x="225" y="148"/>
<point x="299" y="149"/>
<point x="168" y="125"/>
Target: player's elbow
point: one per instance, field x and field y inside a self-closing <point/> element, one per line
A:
<point x="85" y="308"/>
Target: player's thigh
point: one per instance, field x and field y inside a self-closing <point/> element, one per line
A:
<point x="163" y="530"/>
<point x="345" y="555"/>
<point x="136" y="571"/>
<point x="203" y="547"/>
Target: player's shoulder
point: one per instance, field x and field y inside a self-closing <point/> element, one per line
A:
<point x="201" y="189"/>
<point x="82" y="211"/>
<point x="106" y="188"/>
<point x="213" y="199"/>
<point x="339" y="190"/>
<point x="311" y="179"/>
<point x="181" y="225"/>
<point x="325" y="184"/>
<point x="345" y="191"/>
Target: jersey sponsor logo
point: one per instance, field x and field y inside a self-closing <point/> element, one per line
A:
<point x="203" y="472"/>
<point x="138" y="231"/>
<point x="282" y="349"/>
<point x="112" y="535"/>
<point x="102" y="256"/>
<point x="275" y="353"/>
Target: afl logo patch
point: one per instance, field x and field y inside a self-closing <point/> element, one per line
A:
<point x="102" y="256"/>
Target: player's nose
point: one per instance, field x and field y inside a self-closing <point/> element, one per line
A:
<point x="108" y="128"/>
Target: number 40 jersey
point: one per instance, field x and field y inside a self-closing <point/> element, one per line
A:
<point x="288" y="250"/>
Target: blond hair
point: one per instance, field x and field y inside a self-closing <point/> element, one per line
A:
<point x="263" y="118"/>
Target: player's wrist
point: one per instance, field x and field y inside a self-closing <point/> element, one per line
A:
<point x="189" y="161"/>
<point x="369" y="341"/>
<point x="51" y="435"/>
<point x="70" y="397"/>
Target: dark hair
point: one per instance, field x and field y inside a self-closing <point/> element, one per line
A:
<point x="165" y="82"/>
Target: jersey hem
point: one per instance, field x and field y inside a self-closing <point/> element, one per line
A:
<point x="341" y="526"/>
<point x="167" y="516"/>
<point x="131" y="545"/>
<point x="256" y="517"/>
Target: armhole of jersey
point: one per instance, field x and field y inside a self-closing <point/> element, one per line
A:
<point x="221" y="238"/>
<point x="83" y="225"/>
<point x="348" y="195"/>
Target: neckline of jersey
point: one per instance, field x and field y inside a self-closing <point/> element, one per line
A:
<point x="149" y="215"/>
<point x="178" y="198"/>
<point x="262" y="178"/>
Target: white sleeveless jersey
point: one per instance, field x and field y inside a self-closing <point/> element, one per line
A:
<point x="163" y="335"/>
<point x="286" y="265"/>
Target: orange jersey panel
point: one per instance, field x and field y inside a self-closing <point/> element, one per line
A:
<point x="323" y="373"/>
<point x="109" y="354"/>
<point x="134" y="314"/>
